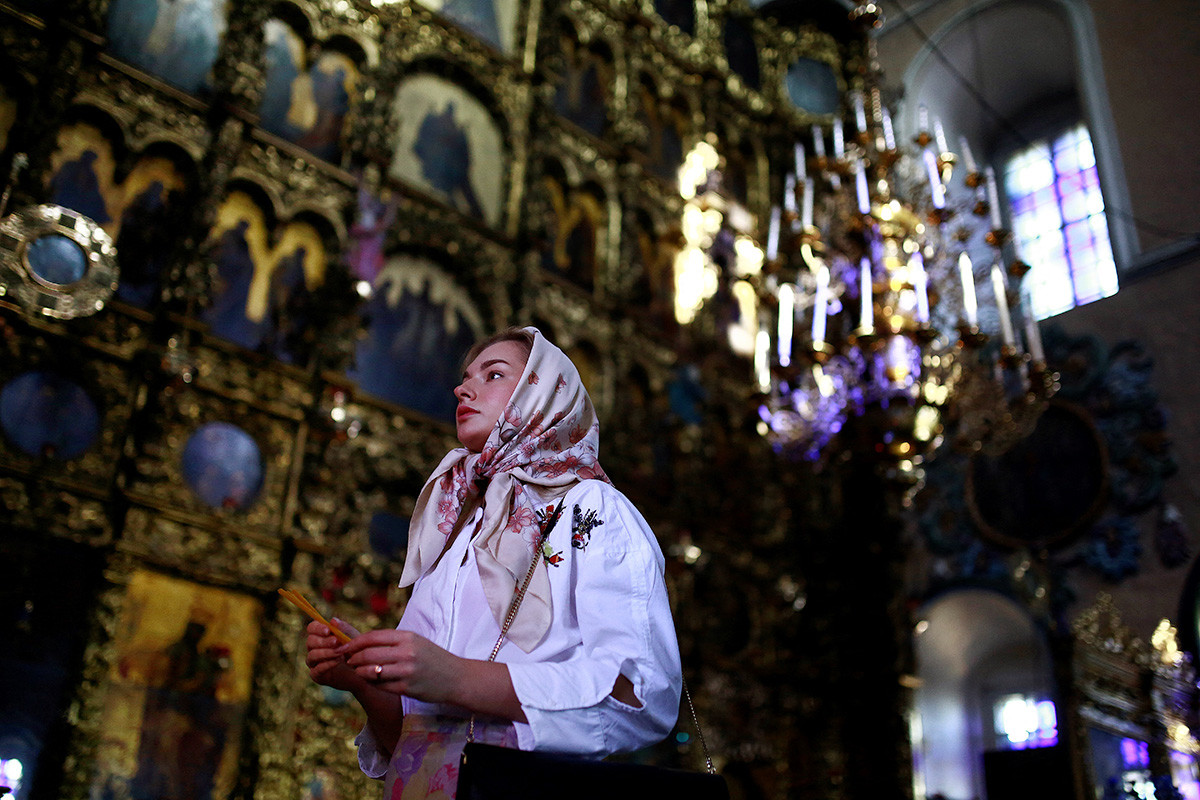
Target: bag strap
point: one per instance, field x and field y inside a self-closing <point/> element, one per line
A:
<point x="547" y="526"/>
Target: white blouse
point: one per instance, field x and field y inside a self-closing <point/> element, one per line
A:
<point x="610" y="616"/>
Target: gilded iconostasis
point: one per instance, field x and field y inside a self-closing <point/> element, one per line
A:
<point x="268" y="234"/>
<point x="243" y="249"/>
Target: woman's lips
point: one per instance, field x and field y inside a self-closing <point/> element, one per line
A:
<point x="464" y="412"/>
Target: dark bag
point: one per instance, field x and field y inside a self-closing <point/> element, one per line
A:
<point x="487" y="772"/>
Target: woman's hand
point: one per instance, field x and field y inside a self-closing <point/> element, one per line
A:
<point x="326" y="665"/>
<point x="406" y="663"/>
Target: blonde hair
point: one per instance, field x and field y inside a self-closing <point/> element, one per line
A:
<point x="514" y="334"/>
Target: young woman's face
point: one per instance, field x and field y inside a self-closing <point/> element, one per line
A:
<point x="487" y="385"/>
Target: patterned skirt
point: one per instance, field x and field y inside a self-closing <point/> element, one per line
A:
<point x="425" y="761"/>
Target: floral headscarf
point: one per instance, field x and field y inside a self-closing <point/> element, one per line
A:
<point x="544" y="443"/>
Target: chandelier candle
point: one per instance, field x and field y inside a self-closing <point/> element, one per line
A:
<point x="860" y="187"/>
<point x="937" y="192"/>
<point x="993" y="194"/>
<point x="920" y="279"/>
<point x="806" y="208"/>
<point x="866" y="320"/>
<point x="860" y="112"/>
<point x="820" y="307"/>
<point x="968" y="156"/>
<point x="999" y="286"/>
<point x="970" y="308"/>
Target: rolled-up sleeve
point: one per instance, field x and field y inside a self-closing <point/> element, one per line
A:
<point x="619" y="602"/>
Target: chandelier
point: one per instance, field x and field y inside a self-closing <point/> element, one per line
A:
<point x="891" y="302"/>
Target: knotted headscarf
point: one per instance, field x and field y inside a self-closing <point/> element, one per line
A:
<point x="543" y="444"/>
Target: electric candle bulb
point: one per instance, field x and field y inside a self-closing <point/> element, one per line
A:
<point x="922" y="119"/>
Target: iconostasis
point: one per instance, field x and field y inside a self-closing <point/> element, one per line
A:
<point x="245" y="250"/>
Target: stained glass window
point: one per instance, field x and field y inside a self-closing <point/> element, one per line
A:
<point x="1022" y="722"/>
<point x="1058" y="222"/>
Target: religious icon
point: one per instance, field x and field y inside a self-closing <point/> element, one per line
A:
<point x="570" y="249"/>
<point x="493" y="21"/>
<point x="419" y="325"/>
<point x="654" y="291"/>
<point x="177" y="692"/>
<point x="581" y="95"/>
<point x="306" y="104"/>
<point x="666" y="127"/>
<point x="448" y="144"/>
<point x="176" y="40"/>
<point x="261" y="286"/>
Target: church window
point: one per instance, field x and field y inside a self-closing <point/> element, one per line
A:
<point x="1058" y="222"/>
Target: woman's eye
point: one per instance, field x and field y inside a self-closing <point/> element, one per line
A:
<point x="495" y="374"/>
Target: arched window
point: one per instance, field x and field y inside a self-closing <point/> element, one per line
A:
<point x="1021" y="83"/>
<point x="1058" y="221"/>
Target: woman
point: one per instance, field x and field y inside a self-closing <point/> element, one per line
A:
<point x="590" y="664"/>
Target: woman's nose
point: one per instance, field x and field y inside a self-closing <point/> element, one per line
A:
<point x="461" y="391"/>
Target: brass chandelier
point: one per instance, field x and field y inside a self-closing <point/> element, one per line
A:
<point x="880" y="312"/>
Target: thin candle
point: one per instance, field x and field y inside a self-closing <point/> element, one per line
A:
<point x="818" y="141"/>
<point x="801" y="166"/>
<point x="806" y="208"/>
<point x="970" y="308"/>
<point x="889" y="133"/>
<point x="993" y="195"/>
<point x="922" y="119"/>
<point x="789" y="193"/>
<point x="839" y="139"/>
<point x="937" y="192"/>
<point x="860" y="187"/>
<point x="762" y="358"/>
<point x="866" y="319"/>
<point x="820" y="306"/>
<point x="939" y="136"/>
<point x="1000" y="288"/>
<point x="1033" y="337"/>
<point x="773" y="234"/>
<point x="968" y="156"/>
<point x="920" y="279"/>
<point x="787" y="320"/>
<point x="860" y="112"/>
